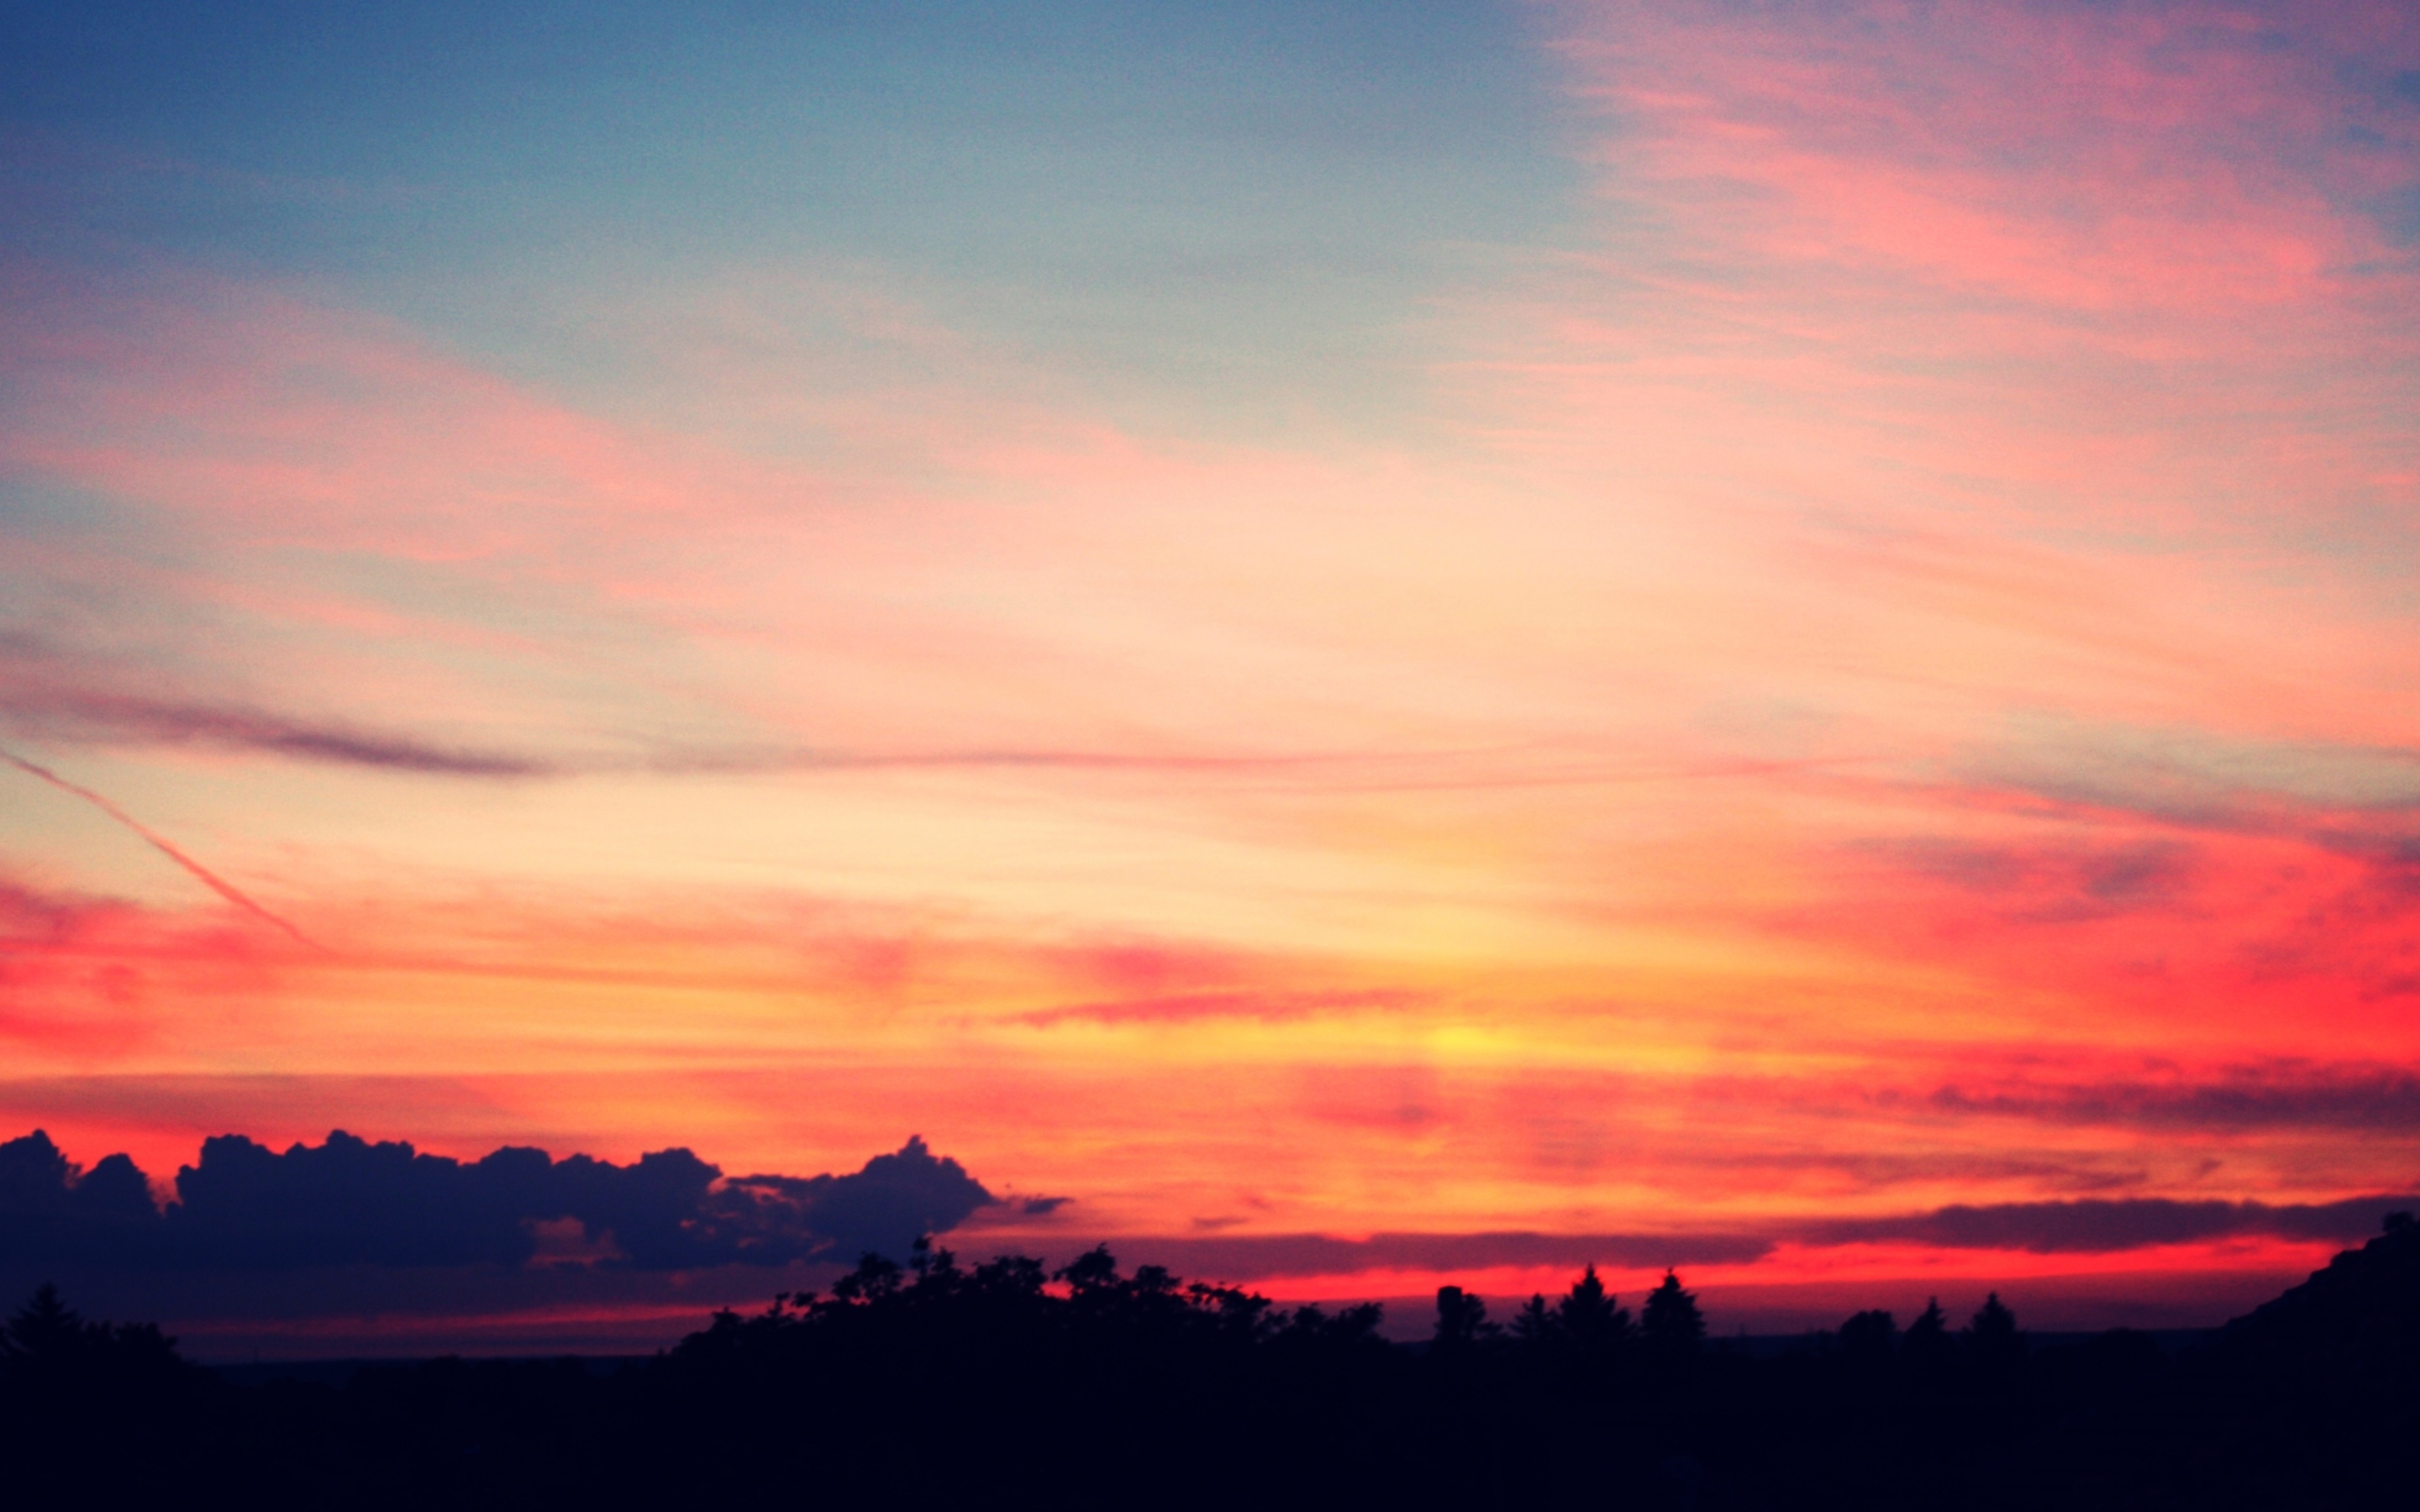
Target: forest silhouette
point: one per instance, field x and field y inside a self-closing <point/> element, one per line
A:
<point x="1003" y="1384"/>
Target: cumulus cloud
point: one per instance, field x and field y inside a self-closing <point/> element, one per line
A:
<point x="50" y="1209"/>
<point x="347" y="1201"/>
<point x="880" y="1208"/>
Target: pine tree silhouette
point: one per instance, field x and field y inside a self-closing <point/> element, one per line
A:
<point x="1588" y="1317"/>
<point x="1669" y="1322"/>
<point x="1992" y="1342"/>
<point x="46" y="1331"/>
<point x="1927" y="1348"/>
<point x="1536" y="1324"/>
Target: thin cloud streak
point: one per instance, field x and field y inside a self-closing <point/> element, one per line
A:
<point x="2107" y="1226"/>
<point x="96" y="717"/>
<point x="125" y="718"/>
<point x="199" y="873"/>
<point x="2380" y="1100"/>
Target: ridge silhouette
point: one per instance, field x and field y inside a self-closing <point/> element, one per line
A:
<point x="2310" y="1400"/>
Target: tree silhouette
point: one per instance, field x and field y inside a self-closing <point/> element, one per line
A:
<point x="93" y="1413"/>
<point x="1588" y="1317"/>
<point x="1869" y="1340"/>
<point x="1670" y="1323"/>
<point x="874" y="1279"/>
<point x="1536" y="1324"/>
<point x="1462" y="1320"/>
<point x="44" y="1331"/>
<point x="1930" y="1337"/>
<point x="48" y="1341"/>
<point x="1927" y="1345"/>
<point x="1992" y="1342"/>
<point x="1096" y="1269"/>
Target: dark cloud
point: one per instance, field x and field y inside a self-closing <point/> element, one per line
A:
<point x="44" y="707"/>
<point x="2385" y="1098"/>
<point x="244" y="1207"/>
<point x="1246" y="1257"/>
<point x="2081" y="1226"/>
<point x="2103" y="1225"/>
<point x="51" y="691"/>
<point x="2191" y="778"/>
<point x="51" y="708"/>
<point x="2394" y="860"/>
<point x="2057" y="883"/>
<point x="883" y="1207"/>
<point x="1869" y="1170"/>
<point x="51" y="1208"/>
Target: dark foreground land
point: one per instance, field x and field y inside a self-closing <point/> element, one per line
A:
<point x="991" y="1387"/>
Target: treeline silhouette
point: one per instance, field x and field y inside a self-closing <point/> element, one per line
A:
<point x="1002" y="1384"/>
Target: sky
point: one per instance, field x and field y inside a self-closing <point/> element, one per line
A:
<point x="1347" y="645"/>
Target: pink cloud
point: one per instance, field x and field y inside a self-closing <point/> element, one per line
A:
<point x="2126" y="160"/>
<point x="2086" y="276"/>
<point x="85" y="982"/>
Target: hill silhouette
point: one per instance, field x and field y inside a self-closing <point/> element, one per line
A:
<point x="2310" y="1400"/>
<point x="1095" y="1387"/>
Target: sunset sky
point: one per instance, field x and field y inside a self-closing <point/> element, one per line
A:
<point x="1380" y="643"/>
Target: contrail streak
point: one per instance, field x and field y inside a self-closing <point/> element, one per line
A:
<point x="201" y="873"/>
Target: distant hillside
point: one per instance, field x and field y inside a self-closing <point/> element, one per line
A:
<point x="2309" y="1401"/>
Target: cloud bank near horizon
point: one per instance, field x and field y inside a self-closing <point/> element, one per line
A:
<point x="243" y="1207"/>
<point x="346" y="1201"/>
